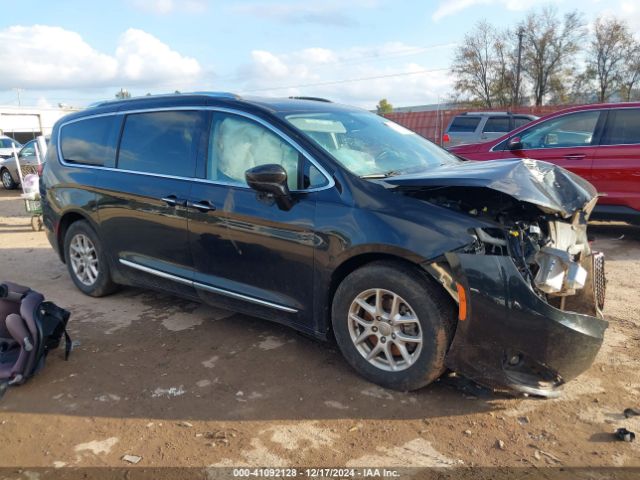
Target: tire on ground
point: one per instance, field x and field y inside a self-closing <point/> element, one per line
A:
<point x="433" y="307"/>
<point x="103" y="284"/>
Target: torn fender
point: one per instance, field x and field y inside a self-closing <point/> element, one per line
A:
<point x="511" y="337"/>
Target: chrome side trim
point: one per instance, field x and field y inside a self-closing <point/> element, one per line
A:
<point x="331" y="182"/>
<point x="155" y="272"/>
<point x="203" y="286"/>
<point x="240" y="296"/>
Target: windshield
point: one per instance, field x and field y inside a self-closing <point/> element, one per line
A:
<point x="369" y="145"/>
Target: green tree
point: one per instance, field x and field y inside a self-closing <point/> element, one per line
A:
<point x="384" y="107"/>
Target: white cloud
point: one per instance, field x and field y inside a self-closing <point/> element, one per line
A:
<point x="164" y="7"/>
<point x="45" y="57"/>
<point x="630" y="11"/>
<point x="451" y="7"/>
<point x="346" y="75"/>
<point x="142" y="58"/>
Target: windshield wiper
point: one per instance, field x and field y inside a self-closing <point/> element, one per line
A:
<point x="390" y="173"/>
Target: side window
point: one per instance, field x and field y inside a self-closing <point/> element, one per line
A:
<point x="520" y="121"/>
<point x="623" y="127"/>
<point x="28" y="150"/>
<point x="497" y="125"/>
<point x="237" y="144"/>
<point x="464" y="123"/>
<point x="91" y="141"/>
<point x="161" y="142"/>
<point x="572" y="130"/>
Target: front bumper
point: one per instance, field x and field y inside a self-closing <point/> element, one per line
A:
<point x="512" y="338"/>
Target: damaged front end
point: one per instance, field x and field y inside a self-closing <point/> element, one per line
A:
<point x="530" y="289"/>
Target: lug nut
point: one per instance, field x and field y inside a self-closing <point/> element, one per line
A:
<point x="378" y="318"/>
<point x="375" y="329"/>
<point x="383" y="339"/>
<point x="393" y="336"/>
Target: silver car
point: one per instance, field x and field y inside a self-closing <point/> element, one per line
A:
<point x="28" y="163"/>
<point x="7" y="144"/>
<point x="477" y="127"/>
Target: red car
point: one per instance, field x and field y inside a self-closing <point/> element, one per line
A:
<point x="599" y="142"/>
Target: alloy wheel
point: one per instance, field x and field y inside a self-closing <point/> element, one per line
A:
<point x="385" y="329"/>
<point x="84" y="259"/>
<point x="7" y="181"/>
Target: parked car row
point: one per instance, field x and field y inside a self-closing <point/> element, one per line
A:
<point x="600" y="142"/>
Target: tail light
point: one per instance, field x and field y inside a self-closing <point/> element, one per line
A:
<point x="40" y="168"/>
<point x="445" y="138"/>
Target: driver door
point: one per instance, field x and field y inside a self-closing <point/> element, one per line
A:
<point x="250" y="255"/>
<point x="569" y="141"/>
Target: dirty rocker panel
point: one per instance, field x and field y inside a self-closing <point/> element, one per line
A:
<point x="203" y="286"/>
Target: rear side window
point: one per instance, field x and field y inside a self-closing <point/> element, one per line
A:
<point x="497" y="124"/>
<point x="623" y="127"/>
<point x="520" y="121"/>
<point x="161" y="142"/>
<point x="464" y="123"/>
<point x="91" y="141"/>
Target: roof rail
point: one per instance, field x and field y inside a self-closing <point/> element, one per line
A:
<point x="314" y="99"/>
<point x="229" y="95"/>
<point x="487" y="113"/>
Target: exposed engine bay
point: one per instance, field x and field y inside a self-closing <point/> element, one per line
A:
<point x="551" y="252"/>
<point x="529" y="289"/>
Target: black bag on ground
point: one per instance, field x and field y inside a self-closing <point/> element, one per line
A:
<point x="29" y="329"/>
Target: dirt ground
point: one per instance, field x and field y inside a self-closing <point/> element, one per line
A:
<point x="181" y="384"/>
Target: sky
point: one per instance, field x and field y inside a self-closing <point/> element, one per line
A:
<point x="356" y="51"/>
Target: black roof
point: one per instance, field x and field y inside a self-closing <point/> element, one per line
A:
<point x="220" y="99"/>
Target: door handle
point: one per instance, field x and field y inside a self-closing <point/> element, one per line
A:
<point x="203" y="206"/>
<point x="575" y="156"/>
<point x="173" y="201"/>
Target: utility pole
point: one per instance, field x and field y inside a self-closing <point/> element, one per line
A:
<point x="516" y="97"/>
<point x="18" y="91"/>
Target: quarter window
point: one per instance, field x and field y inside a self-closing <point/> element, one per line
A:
<point x="237" y="144"/>
<point x="572" y="130"/>
<point x="623" y="127"/>
<point x="91" y="141"/>
<point x="464" y="123"/>
<point x="161" y="142"/>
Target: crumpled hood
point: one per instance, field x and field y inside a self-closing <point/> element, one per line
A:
<point x="540" y="183"/>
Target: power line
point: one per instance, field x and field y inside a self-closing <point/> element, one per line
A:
<point x="361" y="59"/>
<point x="347" y="80"/>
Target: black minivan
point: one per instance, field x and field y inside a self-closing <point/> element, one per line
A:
<point x="339" y="223"/>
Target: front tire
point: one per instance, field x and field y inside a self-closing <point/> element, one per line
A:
<point x="393" y="325"/>
<point x="7" y="180"/>
<point x="86" y="261"/>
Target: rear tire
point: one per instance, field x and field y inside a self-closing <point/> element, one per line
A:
<point x="86" y="261"/>
<point x="397" y="316"/>
<point x="7" y="180"/>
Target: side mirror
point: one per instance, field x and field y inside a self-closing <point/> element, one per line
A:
<point x="271" y="179"/>
<point x="514" y="144"/>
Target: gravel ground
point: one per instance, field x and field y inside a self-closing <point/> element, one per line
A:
<point x="182" y="384"/>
